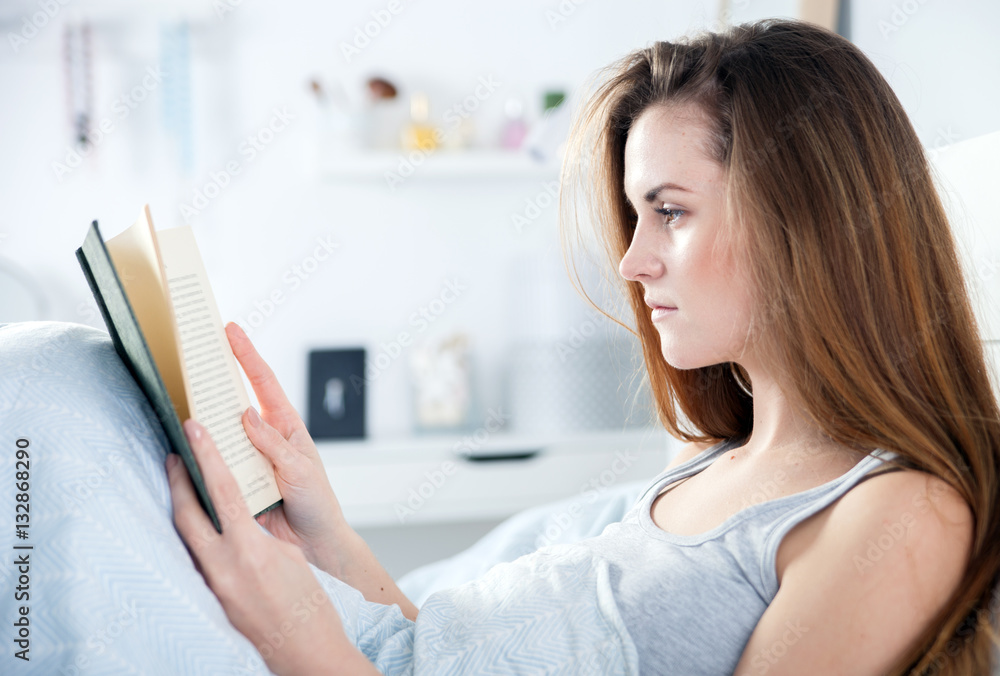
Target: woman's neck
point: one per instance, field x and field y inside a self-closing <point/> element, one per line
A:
<point x="782" y="431"/>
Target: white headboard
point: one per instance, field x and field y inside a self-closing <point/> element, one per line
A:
<point x="968" y="175"/>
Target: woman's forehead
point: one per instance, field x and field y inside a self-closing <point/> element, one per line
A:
<point x="669" y="145"/>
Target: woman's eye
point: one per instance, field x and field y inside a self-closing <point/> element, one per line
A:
<point x="671" y="215"/>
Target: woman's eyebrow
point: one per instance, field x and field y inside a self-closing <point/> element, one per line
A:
<point x="651" y="194"/>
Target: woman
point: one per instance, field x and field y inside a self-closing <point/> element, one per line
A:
<point x="805" y="326"/>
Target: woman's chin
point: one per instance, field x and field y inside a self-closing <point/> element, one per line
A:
<point x="685" y="360"/>
<point x="682" y="362"/>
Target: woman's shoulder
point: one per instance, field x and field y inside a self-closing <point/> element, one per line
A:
<point x="894" y="548"/>
<point x="891" y="491"/>
<point x="903" y="516"/>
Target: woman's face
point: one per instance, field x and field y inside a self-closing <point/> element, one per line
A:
<point x="677" y="192"/>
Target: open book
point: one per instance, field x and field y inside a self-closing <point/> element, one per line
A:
<point x="156" y="300"/>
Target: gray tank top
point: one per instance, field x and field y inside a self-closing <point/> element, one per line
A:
<point x="691" y="602"/>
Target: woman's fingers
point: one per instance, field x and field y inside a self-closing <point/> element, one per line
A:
<point x="260" y="581"/>
<point x="183" y="497"/>
<point x="310" y="516"/>
<point x="286" y="458"/>
<point x="192" y="523"/>
<point x="265" y="385"/>
<point x="222" y="489"/>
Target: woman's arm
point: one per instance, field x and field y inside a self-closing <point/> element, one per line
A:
<point x="886" y="558"/>
<point x="310" y="516"/>
<point x="265" y="585"/>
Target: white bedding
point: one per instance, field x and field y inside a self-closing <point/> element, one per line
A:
<point x="109" y="587"/>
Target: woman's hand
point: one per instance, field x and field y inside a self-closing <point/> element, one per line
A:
<point x="310" y="515"/>
<point x="265" y="585"/>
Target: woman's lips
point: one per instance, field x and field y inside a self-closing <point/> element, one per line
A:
<point x="662" y="312"/>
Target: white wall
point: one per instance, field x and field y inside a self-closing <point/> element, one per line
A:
<point x="396" y="249"/>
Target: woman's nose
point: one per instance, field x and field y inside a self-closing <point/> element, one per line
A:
<point x="641" y="259"/>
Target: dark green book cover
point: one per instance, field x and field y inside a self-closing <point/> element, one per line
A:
<point x="134" y="351"/>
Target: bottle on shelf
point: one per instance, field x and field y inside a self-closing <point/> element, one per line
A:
<point x="515" y="128"/>
<point x="419" y="134"/>
<point x="547" y="139"/>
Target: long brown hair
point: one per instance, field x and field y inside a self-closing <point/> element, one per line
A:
<point x="859" y="295"/>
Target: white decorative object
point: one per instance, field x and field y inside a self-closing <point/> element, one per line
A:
<point x="441" y="383"/>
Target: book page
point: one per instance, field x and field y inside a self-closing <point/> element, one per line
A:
<point x="136" y="258"/>
<point x="217" y="397"/>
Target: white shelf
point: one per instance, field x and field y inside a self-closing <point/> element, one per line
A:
<point x="443" y="446"/>
<point x="436" y="164"/>
<point x="424" y="481"/>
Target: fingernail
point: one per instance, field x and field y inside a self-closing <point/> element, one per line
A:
<point x="192" y="429"/>
<point x="254" y="417"/>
